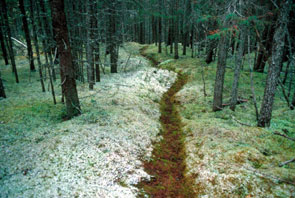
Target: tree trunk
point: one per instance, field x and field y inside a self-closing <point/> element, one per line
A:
<point x="2" y="90"/>
<point x="293" y="101"/>
<point x="35" y="38"/>
<point x="96" y="49"/>
<point x="3" y="47"/>
<point x="67" y="72"/>
<point x="176" y="35"/>
<point x="219" y="80"/>
<point x="274" y="68"/>
<point x="192" y="40"/>
<point x="267" y="40"/>
<point x="10" y="45"/>
<point x="89" y="47"/>
<point x="48" y="33"/>
<point x="113" y="37"/>
<point x="27" y="34"/>
<point x="239" y="61"/>
<point x="210" y="51"/>
<point x="160" y="27"/>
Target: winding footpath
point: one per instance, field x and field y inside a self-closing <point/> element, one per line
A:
<point x="167" y="165"/>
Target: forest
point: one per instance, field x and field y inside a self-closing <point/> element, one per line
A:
<point x="147" y="98"/>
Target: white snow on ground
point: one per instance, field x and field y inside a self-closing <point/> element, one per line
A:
<point x="97" y="154"/>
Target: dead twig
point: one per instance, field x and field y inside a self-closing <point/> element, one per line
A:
<point x="283" y="135"/>
<point x="124" y="68"/>
<point x="286" y="162"/>
<point x="241" y="123"/>
<point x="270" y="177"/>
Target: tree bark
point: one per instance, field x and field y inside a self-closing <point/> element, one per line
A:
<point x="67" y="72"/>
<point x="3" y="47"/>
<point x="293" y="100"/>
<point x="10" y="44"/>
<point x="113" y="37"/>
<point x="96" y="48"/>
<point x="2" y="90"/>
<point x="160" y="27"/>
<point x="219" y="80"/>
<point x="274" y="67"/>
<point x="210" y="51"/>
<point x="35" y="39"/>
<point x="49" y="37"/>
<point x="27" y="35"/>
<point x="176" y="35"/>
<point x="239" y="61"/>
<point x="267" y="41"/>
<point x="89" y="47"/>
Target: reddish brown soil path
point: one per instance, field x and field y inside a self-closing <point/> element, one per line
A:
<point x="167" y="165"/>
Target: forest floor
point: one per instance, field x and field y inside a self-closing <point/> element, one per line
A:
<point x="97" y="154"/>
<point x="225" y="157"/>
<point x="167" y="164"/>
<point x="100" y="153"/>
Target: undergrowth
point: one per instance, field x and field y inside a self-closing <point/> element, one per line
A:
<point x="226" y="158"/>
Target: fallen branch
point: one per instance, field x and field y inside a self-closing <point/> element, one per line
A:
<point x="286" y="162"/>
<point x="19" y="42"/>
<point x="124" y="68"/>
<point x="239" y="101"/>
<point x="241" y="123"/>
<point x="270" y="177"/>
<point x="285" y="94"/>
<point x="284" y="135"/>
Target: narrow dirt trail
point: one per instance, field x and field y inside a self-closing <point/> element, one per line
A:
<point x="167" y="165"/>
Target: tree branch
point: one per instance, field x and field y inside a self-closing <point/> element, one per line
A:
<point x="283" y="135"/>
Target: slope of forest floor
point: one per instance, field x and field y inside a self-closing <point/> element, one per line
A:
<point x="226" y="158"/>
<point x="97" y="154"/>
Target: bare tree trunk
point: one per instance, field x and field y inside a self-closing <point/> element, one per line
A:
<point x="10" y="45"/>
<point x="2" y="90"/>
<point x="89" y="47"/>
<point x="160" y="27"/>
<point x="219" y="80"/>
<point x="176" y="34"/>
<point x="210" y="51"/>
<point x="293" y="101"/>
<point x="192" y="40"/>
<point x="27" y="34"/>
<point x="252" y="82"/>
<point x="239" y="61"/>
<point x="274" y="67"/>
<point x="67" y="71"/>
<point x="3" y="47"/>
<point x="112" y="42"/>
<point x="48" y="37"/>
<point x="96" y="48"/>
<point x="51" y="84"/>
<point x="35" y="38"/>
